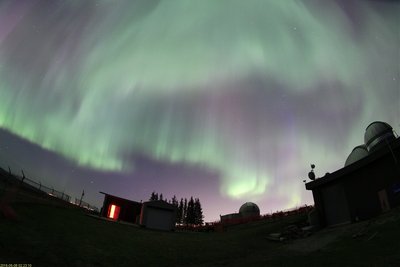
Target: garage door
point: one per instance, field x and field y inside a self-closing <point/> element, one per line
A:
<point x="158" y="219"/>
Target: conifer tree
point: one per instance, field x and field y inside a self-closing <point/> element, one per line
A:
<point x="190" y="215"/>
<point x="153" y="196"/>
<point x="188" y="212"/>
<point x="174" y="201"/>
<point x="179" y="213"/>
<point x="184" y="214"/>
<point x="198" y="211"/>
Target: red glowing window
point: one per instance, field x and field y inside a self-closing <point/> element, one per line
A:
<point x="113" y="211"/>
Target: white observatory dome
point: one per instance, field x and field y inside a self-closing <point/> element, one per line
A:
<point x="376" y="135"/>
<point x="249" y="209"/>
<point x="356" y="154"/>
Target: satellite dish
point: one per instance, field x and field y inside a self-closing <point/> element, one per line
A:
<point x="311" y="175"/>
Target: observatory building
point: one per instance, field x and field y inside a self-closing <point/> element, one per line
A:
<point x="247" y="210"/>
<point x="367" y="185"/>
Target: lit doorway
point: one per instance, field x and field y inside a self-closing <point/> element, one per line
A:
<point x="113" y="211"/>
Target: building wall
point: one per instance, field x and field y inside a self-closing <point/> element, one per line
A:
<point x="230" y="216"/>
<point x="361" y="194"/>
<point x="159" y="219"/>
<point x="361" y="190"/>
<point x="129" y="210"/>
<point x="158" y="215"/>
<point x="335" y="204"/>
<point x="319" y="206"/>
<point x="363" y="187"/>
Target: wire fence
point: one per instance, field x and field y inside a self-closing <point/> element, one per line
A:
<point x="30" y="183"/>
<point x="45" y="189"/>
<point x="34" y="185"/>
<point x="38" y="186"/>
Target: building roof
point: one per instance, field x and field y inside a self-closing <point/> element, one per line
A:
<point x="161" y="204"/>
<point x="339" y="174"/>
<point x="230" y="214"/>
<point x="120" y="198"/>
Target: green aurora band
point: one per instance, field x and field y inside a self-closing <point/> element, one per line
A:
<point x="167" y="80"/>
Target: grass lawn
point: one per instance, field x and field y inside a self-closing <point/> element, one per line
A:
<point x="48" y="234"/>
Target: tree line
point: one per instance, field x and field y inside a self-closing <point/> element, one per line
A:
<point x="188" y="211"/>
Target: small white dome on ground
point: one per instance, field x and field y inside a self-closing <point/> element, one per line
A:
<point x="249" y="209"/>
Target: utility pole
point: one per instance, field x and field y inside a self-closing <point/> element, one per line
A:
<point x="80" y="201"/>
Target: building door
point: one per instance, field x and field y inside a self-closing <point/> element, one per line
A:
<point x="113" y="211"/>
<point x="383" y="200"/>
<point x="159" y="219"/>
<point x="335" y="205"/>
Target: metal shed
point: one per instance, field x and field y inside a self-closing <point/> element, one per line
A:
<point x="158" y="215"/>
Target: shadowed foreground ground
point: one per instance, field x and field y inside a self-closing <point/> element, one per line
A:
<point x="48" y="233"/>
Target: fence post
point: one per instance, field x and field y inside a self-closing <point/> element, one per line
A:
<point x="80" y="201"/>
<point x="23" y="176"/>
<point x="9" y="174"/>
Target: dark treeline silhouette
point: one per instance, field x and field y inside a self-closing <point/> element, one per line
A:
<point x="189" y="212"/>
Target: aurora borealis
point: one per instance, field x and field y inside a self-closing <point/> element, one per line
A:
<point x="226" y="100"/>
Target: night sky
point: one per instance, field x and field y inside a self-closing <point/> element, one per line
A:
<point x="229" y="100"/>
